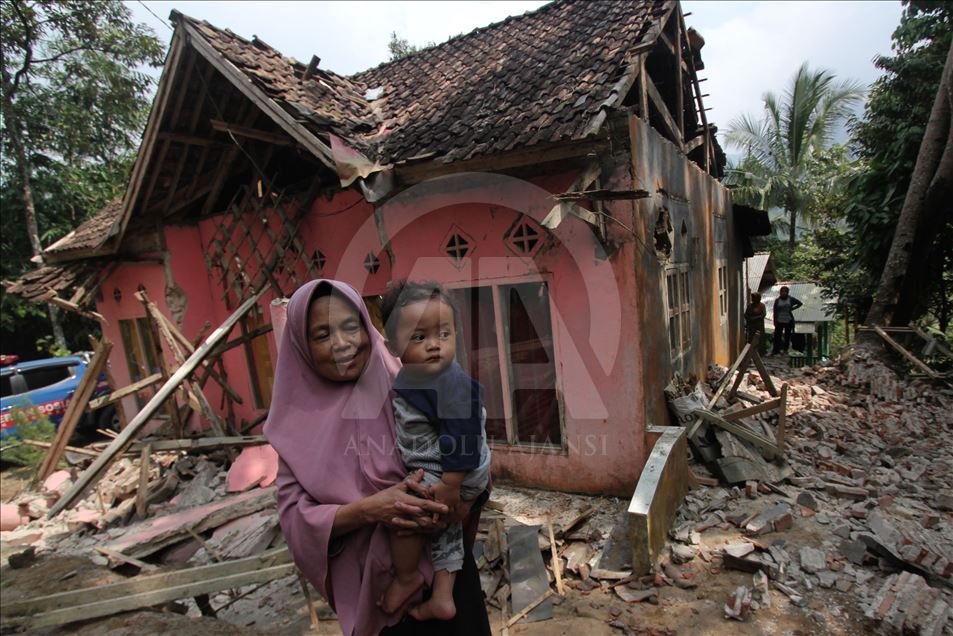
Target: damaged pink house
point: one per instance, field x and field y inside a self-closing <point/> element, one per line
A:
<point x="555" y="170"/>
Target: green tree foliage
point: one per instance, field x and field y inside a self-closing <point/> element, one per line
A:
<point x="780" y="147"/>
<point x="75" y="101"/>
<point x="401" y="47"/>
<point x="888" y="140"/>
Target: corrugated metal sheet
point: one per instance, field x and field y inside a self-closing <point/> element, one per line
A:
<point x="755" y="266"/>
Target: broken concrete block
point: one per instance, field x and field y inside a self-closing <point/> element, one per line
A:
<point x="812" y="560"/>
<point x="855" y="551"/>
<point x="761" y="593"/>
<point x="739" y="550"/>
<point x="908" y="605"/>
<point x="775" y="518"/>
<point x="738" y="604"/>
<point x="807" y="500"/>
<point x="682" y="553"/>
<point x="826" y="579"/>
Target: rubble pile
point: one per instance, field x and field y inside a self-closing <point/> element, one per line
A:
<point x="865" y="509"/>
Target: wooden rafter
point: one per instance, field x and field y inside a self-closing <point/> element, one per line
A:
<point x="656" y="99"/>
<point x="251" y="133"/>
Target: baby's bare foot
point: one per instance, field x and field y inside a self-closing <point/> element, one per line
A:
<point x="434" y="609"/>
<point x="401" y="589"/>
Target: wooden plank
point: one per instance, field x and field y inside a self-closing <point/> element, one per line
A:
<point x="122" y="558"/>
<point x="781" y="432"/>
<point x="92" y="474"/>
<point x="679" y="86"/>
<point x="763" y="371"/>
<point x="284" y="120"/>
<point x="529" y="608"/>
<point x="137" y="599"/>
<point x="202" y="443"/>
<point x="915" y="361"/>
<point x="147" y="583"/>
<point x="725" y="380"/>
<point x="156" y="533"/>
<point x="118" y="394"/>
<point x="554" y="555"/>
<point x="734" y="416"/>
<point x="250" y="133"/>
<point x="75" y="408"/>
<point x="194" y="392"/>
<point x="643" y="92"/>
<point x="575" y="521"/>
<point x="172" y="332"/>
<point x="142" y="494"/>
<point x="663" y="112"/>
<point x="741" y="431"/>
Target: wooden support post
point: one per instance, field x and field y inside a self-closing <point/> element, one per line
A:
<point x="142" y="494"/>
<point x="679" y="83"/>
<point x="120" y="412"/>
<point x="118" y="445"/>
<point x="195" y="394"/>
<point x="780" y="434"/>
<point x="75" y="408"/>
<point x="763" y="370"/>
<point x="734" y="416"/>
<point x="721" y="387"/>
<point x="312" y="611"/>
<point x="554" y="553"/>
<point x="663" y="112"/>
<point x="915" y="361"/>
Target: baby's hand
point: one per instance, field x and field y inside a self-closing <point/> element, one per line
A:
<point x="447" y="494"/>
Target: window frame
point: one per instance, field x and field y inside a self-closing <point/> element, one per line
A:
<point x="721" y="273"/>
<point x="512" y="442"/>
<point x="676" y="288"/>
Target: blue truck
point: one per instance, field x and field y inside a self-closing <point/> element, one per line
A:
<point x="43" y="388"/>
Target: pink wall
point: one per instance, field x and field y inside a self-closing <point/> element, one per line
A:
<point x="611" y="347"/>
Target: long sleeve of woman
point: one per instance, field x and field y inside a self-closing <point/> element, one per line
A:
<point x="307" y="526"/>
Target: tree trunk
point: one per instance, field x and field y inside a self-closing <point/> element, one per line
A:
<point x="934" y="153"/>
<point x="29" y="209"/>
<point x="792" y="231"/>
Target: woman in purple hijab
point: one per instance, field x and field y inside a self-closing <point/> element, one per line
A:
<point x="340" y="479"/>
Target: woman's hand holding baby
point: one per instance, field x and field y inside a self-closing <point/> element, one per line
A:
<point x="407" y="505"/>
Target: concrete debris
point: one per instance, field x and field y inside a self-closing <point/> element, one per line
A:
<point x="738" y="604"/>
<point x="905" y="604"/>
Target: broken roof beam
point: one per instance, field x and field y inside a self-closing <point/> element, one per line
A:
<point x="281" y="117"/>
<point x="92" y="474"/>
<point x="603" y="195"/>
<point x="250" y="133"/>
<point x="670" y="125"/>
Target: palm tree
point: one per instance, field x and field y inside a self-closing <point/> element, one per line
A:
<point x="779" y="148"/>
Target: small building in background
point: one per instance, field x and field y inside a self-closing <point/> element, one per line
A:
<point x="812" y="322"/>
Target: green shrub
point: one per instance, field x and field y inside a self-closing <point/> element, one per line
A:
<point x="28" y="426"/>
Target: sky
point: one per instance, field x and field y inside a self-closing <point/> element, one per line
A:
<point x="750" y="47"/>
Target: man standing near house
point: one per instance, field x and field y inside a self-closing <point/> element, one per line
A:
<point x="784" y="306"/>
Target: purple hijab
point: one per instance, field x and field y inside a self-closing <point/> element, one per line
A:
<point x="336" y="445"/>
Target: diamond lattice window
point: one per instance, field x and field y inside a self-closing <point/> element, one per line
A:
<point x="318" y="260"/>
<point x="372" y="263"/>
<point x="525" y="238"/>
<point x="457" y="247"/>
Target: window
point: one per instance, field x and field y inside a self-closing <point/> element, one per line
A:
<point x="142" y="354"/>
<point x="45" y="376"/>
<point x="258" y="356"/>
<point x="723" y="293"/>
<point x="506" y="343"/>
<point x="6" y="385"/>
<point x="678" y="302"/>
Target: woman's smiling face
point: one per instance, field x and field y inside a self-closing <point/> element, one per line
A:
<point x="337" y="338"/>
